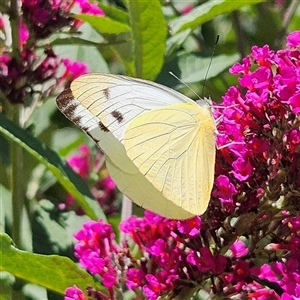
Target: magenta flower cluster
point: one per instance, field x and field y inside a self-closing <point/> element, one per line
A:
<point x="247" y="244"/>
<point x="23" y="71"/>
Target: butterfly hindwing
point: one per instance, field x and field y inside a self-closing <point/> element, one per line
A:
<point x="136" y="187"/>
<point x="174" y="148"/>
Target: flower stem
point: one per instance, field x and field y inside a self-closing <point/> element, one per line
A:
<point x="14" y="19"/>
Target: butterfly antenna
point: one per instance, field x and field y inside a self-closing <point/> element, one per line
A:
<point x="171" y="73"/>
<point x="212" y="56"/>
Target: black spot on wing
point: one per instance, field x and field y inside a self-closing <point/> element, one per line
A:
<point x="76" y="120"/>
<point x="102" y="127"/>
<point x="117" y="115"/>
<point x="64" y="98"/>
<point x="66" y="104"/>
<point x="106" y="93"/>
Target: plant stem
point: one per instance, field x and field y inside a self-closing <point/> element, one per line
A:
<point x="14" y="19"/>
<point x="17" y="190"/>
<point x="16" y="151"/>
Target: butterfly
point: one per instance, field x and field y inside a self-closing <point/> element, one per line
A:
<point x="159" y="144"/>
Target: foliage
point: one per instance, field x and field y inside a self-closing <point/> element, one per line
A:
<point x="51" y="191"/>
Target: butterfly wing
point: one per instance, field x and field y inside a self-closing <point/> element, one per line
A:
<point x="136" y="187"/>
<point x="174" y="148"/>
<point x="126" y="175"/>
<point x="116" y="100"/>
<point x="77" y="113"/>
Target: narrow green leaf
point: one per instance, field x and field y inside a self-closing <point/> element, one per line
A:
<point x="206" y="12"/>
<point x="104" y="25"/>
<point x="149" y="33"/>
<point x="73" y="40"/>
<point x="79" y="41"/>
<point x="53" y="272"/>
<point x="64" y="174"/>
<point x="114" y="13"/>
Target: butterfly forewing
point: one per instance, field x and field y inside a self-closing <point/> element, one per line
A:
<point x="117" y="100"/>
<point x="174" y="147"/>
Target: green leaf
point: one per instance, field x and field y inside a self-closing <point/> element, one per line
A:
<point x="73" y="40"/>
<point x="149" y="33"/>
<point x="176" y="41"/>
<point x="53" y="231"/>
<point x="124" y="50"/>
<point x="114" y="13"/>
<point x="64" y="174"/>
<point x="206" y="12"/>
<point x="192" y="68"/>
<point x="53" y="272"/>
<point x="117" y="35"/>
<point x="104" y="25"/>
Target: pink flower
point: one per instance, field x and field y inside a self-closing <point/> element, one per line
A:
<point x="89" y="8"/>
<point x="190" y="227"/>
<point x="224" y="190"/>
<point x="154" y="287"/>
<point x="4" y="59"/>
<point x="241" y="271"/>
<point x="293" y="39"/>
<point x="242" y="169"/>
<point x="74" y="293"/>
<point x="238" y="249"/>
<point x="295" y="103"/>
<point x="80" y="163"/>
<point x="1" y="24"/>
<point x="97" y="251"/>
<point x="73" y="69"/>
<point x="241" y="68"/>
<point x="134" y="278"/>
<point x="23" y="33"/>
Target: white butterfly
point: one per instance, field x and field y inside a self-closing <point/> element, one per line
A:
<point x="159" y="144"/>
